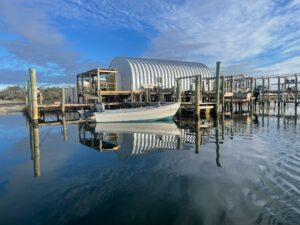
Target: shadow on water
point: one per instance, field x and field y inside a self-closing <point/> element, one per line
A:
<point x="235" y="170"/>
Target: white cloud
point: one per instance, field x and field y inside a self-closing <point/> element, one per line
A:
<point x="290" y="65"/>
<point x="247" y="36"/>
<point x="228" y="31"/>
<point x="37" y="42"/>
<point x="235" y="32"/>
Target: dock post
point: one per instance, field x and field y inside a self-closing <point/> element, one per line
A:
<point x="263" y="90"/>
<point x="223" y="93"/>
<point x="26" y="98"/>
<point x="131" y="96"/>
<point x="82" y="90"/>
<point x="231" y="90"/>
<point x="98" y="87"/>
<point x="63" y="101"/>
<point x="77" y="82"/>
<point x="278" y="92"/>
<point x="178" y="90"/>
<point x="146" y="95"/>
<point x="217" y="87"/>
<point x="29" y="109"/>
<point x="269" y="89"/>
<point x="34" y="113"/>
<point x="296" y="91"/>
<point x="197" y="97"/>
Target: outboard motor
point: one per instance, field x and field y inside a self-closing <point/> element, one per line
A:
<point x="98" y="107"/>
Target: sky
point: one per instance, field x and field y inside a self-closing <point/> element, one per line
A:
<point x="61" y="38"/>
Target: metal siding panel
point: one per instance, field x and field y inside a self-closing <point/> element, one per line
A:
<point x="168" y="83"/>
<point x="143" y="73"/>
<point x="172" y="78"/>
<point x="159" y="74"/>
<point x="184" y="83"/>
<point x="164" y="74"/>
<point x="138" y="75"/>
<point x="134" y="75"/>
<point x="147" y="71"/>
<point x="137" y="71"/>
<point x="152" y="69"/>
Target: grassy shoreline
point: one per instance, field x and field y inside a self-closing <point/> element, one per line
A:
<point x="11" y="107"/>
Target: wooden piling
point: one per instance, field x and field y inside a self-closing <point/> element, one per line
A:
<point x="29" y="108"/>
<point x="99" y="87"/>
<point x="263" y="90"/>
<point x="278" y="91"/>
<point x="131" y="96"/>
<point x="34" y="113"/>
<point x="296" y="91"/>
<point x="178" y="90"/>
<point x="147" y="95"/>
<point x="77" y="82"/>
<point x="63" y="101"/>
<point x="197" y="97"/>
<point x="231" y="90"/>
<point x="217" y="87"/>
<point x="223" y="93"/>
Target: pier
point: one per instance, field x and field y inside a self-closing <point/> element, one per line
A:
<point x="206" y="97"/>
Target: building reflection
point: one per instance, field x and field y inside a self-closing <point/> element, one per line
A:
<point x="130" y="139"/>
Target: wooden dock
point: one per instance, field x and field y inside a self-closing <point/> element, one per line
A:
<point x="210" y="96"/>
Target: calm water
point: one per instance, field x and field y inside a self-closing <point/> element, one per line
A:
<point x="244" y="172"/>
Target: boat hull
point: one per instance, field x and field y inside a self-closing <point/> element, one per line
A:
<point x="150" y="113"/>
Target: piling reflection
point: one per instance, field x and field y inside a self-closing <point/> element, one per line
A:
<point x="35" y="148"/>
<point x="217" y="140"/>
<point x="64" y="128"/>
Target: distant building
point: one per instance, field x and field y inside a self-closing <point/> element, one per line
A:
<point x="140" y="73"/>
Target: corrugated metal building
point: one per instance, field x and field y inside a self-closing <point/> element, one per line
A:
<point x="139" y="73"/>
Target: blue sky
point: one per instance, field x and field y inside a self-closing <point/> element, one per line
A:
<point x="61" y="38"/>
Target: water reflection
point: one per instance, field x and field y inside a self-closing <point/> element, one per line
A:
<point x="130" y="139"/>
<point x="127" y="140"/>
<point x="135" y="139"/>
<point x="243" y="173"/>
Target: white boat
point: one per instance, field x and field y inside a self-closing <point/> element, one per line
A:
<point x="148" y="113"/>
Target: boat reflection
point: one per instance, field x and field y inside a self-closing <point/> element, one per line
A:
<point x="130" y="139"/>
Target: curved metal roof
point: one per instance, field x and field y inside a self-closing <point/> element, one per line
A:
<point x="139" y="72"/>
